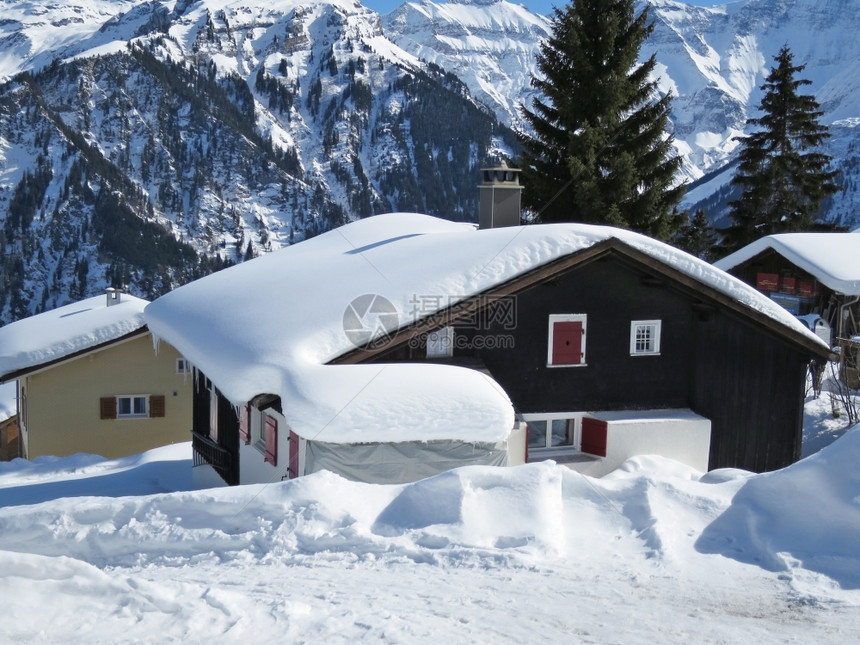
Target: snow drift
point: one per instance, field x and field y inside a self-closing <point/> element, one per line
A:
<point x="654" y="551"/>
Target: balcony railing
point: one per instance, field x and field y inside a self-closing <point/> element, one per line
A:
<point x="207" y="451"/>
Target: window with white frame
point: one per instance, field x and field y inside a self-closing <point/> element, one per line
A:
<point x="566" y="346"/>
<point x="644" y="337"/>
<point x="440" y="343"/>
<point x="183" y="366"/>
<point x="133" y="405"/>
<point x="549" y="432"/>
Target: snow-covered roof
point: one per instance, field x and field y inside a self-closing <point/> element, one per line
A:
<point x="270" y="325"/>
<point x="68" y="330"/>
<point x="833" y="258"/>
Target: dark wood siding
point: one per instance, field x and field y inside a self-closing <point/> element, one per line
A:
<point x="200" y="405"/>
<point x="611" y="295"/>
<point x="751" y="387"/>
<point x="739" y="374"/>
<point x="227" y="465"/>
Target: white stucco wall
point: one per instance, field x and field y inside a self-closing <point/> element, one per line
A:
<point x="681" y="435"/>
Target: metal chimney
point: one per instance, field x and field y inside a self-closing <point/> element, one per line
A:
<point x="114" y="296"/>
<point x="500" y="193"/>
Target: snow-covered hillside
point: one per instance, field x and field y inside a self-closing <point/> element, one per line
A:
<point x="230" y="128"/>
<point x="107" y="551"/>
<point x="489" y="44"/>
<point x="713" y="60"/>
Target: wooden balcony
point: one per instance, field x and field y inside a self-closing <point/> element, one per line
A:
<point x="207" y="451"/>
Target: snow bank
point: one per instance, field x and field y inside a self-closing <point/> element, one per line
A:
<point x="164" y="469"/>
<point x="534" y="552"/>
<point x="804" y="517"/>
<point x="66" y="330"/>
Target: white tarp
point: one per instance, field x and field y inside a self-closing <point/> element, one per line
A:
<point x="402" y="462"/>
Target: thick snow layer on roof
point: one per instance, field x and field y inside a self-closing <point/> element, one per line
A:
<point x="67" y="330"/>
<point x="833" y="258"/>
<point x="270" y="325"/>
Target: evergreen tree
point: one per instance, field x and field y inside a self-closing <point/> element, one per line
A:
<point x="781" y="175"/>
<point x="698" y="237"/>
<point x="600" y="152"/>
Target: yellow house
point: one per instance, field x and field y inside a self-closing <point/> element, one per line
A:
<point x="89" y="380"/>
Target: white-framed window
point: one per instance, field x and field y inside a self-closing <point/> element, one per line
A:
<point x="550" y="431"/>
<point x="132" y="405"/>
<point x="183" y="366"/>
<point x="567" y="334"/>
<point x="440" y="343"/>
<point x="645" y="337"/>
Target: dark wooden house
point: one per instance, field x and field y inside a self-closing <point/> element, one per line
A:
<point x="806" y="273"/>
<point x="605" y="343"/>
<point x="611" y="328"/>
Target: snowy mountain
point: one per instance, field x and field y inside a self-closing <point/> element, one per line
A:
<point x="155" y="143"/>
<point x="489" y="44"/>
<point x="147" y="143"/>
<point x="712" y="60"/>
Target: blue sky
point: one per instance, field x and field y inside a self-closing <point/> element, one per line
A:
<point x="538" y="6"/>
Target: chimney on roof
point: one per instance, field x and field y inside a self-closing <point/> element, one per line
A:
<point x="114" y="296"/>
<point x="500" y="193"/>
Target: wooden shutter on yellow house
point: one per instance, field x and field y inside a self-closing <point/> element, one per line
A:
<point x="107" y="407"/>
<point x="156" y="405"/>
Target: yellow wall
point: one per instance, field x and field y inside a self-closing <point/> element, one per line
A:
<point x="63" y="412"/>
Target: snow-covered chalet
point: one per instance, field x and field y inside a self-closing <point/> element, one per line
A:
<point x="87" y="380"/>
<point x="815" y="276"/>
<point x="807" y="273"/>
<point x="402" y="345"/>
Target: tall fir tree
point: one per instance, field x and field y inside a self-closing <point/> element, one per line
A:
<point x="600" y="152"/>
<point x="782" y="174"/>
<point x="698" y="237"/>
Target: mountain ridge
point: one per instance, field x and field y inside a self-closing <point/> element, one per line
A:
<point x="235" y="128"/>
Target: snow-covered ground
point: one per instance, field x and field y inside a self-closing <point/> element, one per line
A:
<point x="123" y="551"/>
<point x="825" y="418"/>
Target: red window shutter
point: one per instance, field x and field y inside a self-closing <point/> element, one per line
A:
<point x="245" y="423"/>
<point x="294" y="455"/>
<point x="107" y="407"/>
<point x="567" y="343"/>
<point x="271" y="441"/>
<point x="594" y="433"/>
<point x="766" y="281"/>
<point x="156" y="405"/>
